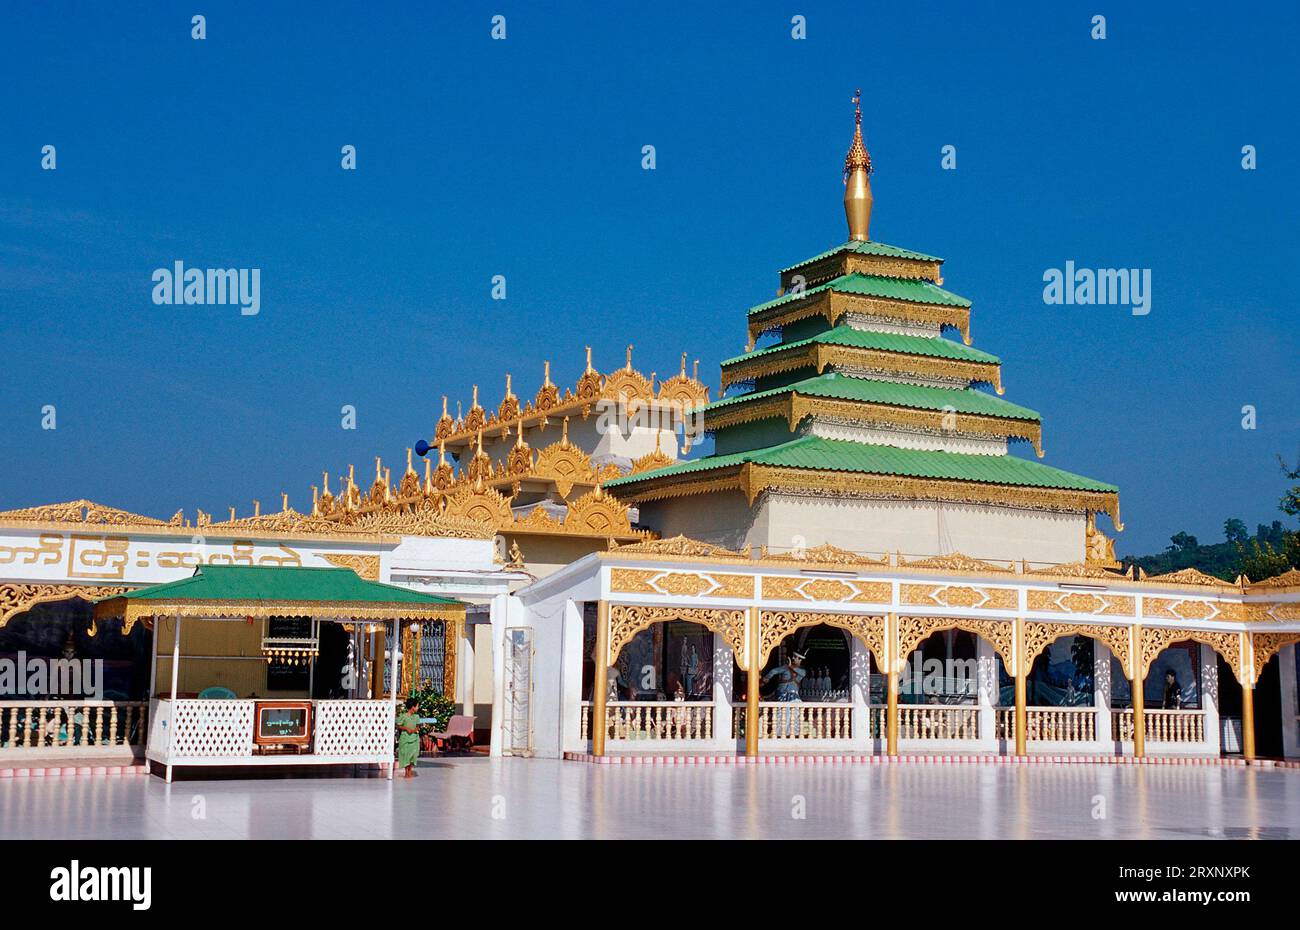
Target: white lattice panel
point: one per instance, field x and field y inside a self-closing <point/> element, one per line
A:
<point x="211" y="729"/>
<point x="354" y="728"/>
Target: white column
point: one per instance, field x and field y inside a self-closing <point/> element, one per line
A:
<point x="986" y="691"/>
<point x="465" y="667"/>
<point x="1101" y="656"/>
<point x="860" y="695"/>
<point x="1210" y="698"/>
<point x="571" y="661"/>
<point x="499" y="620"/>
<point x="1290" y="714"/>
<point x="723" y="682"/>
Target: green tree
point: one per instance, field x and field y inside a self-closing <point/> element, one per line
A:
<point x="1183" y="541"/>
<point x="1235" y="531"/>
<point x="1290" y="503"/>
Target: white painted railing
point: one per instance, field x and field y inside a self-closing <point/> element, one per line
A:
<point x="938" y="721"/>
<point x="1050" y="724"/>
<point x="653" y="720"/>
<point x="69" y="724"/>
<point x="1162" y="726"/>
<point x="797" y="720"/>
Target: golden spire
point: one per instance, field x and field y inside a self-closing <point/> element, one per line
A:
<point x="564" y="434"/>
<point x="257" y="508"/>
<point x="546" y="373"/>
<point x="284" y="502"/>
<point x="629" y="357"/>
<point x="315" y="501"/>
<point x="857" y="179"/>
<point x="428" y="476"/>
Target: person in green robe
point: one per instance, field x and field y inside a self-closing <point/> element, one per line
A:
<point x="408" y="737"/>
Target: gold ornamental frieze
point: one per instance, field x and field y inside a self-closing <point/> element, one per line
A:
<point x="1155" y="639"/>
<point x="1080" y="602"/>
<point x="680" y="584"/>
<point x="17" y="598"/>
<point x="833" y="306"/>
<point x="366" y="566"/>
<point x="1039" y="634"/>
<point x="912" y="631"/>
<point x="958" y="596"/>
<point x="776" y="625"/>
<point x="626" y="620"/>
<point x="832" y="590"/>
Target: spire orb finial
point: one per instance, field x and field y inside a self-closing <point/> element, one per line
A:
<point x="857" y="179"/>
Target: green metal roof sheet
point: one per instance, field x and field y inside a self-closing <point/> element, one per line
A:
<point x="874" y="285"/>
<point x="845" y="387"/>
<point x="266" y="583"/>
<point x="813" y="452"/>
<point x="869" y="247"/>
<point x="843" y="335"/>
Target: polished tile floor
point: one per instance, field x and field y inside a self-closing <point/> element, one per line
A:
<point x="520" y="798"/>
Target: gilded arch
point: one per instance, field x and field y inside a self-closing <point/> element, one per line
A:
<point x="912" y="631"/>
<point x="627" y="620"/>
<point x="1154" y="640"/>
<point x="775" y="625"/>
<point x="1041" y="634"/>
<point x="1266" y="645"/>
<point x="19" y="597"/>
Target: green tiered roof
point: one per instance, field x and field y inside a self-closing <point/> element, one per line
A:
<point x="836" y="386"/>
<point x="935" y="346"/>
<point x="911" y="290"/>
<point x="816" y="453"/>
<point x="869" y="247"/>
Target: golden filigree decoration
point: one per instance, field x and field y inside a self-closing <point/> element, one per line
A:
<point x="366" y="566"/>
<point x="597" y="513"/>
<point x="15" y="598"/>
<point x="825" y="554"/>
<point x="912" y="631"/>
<point x="1039" y="634"/>
<point x="79" y="511"/>
<point x="834" y="306"/>
<point x="959" y="596"/>
<point x="1075" y="570"/>
<point x="1192" y="576"/>
<point x="1155" y="639"/>
<point x="776" y="625"/>
<point x="1080" y="602"/>
<point x="626" y="620"/>
<point x="632" y="581"/>
<point x="683" y="584"/>
<point x="1266" y="645"/>
<point x="820" y="356"/>
<point x="479" y="504"/>
<point x="1288" y="579"/>
<point x="676" y="546"/>
<point x="955" y="562"/>
<point x="802" y="588"/>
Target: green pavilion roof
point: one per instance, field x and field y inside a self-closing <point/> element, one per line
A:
<point x="837" y="386"/>
<point x="250" y="590"/>
<point x="843" y="335"/>
<point x="872" y="285"/>
<point x="814" y="452"/>
<point x="869" y="247"/>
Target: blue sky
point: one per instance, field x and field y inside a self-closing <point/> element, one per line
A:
<point x="523" y="158"/>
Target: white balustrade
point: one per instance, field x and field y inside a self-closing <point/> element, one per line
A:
<point x="71" y="724"/>
<point x="938" y="721"/>
<point x="1162" y="726"/>
<point x="1050" y="724"/>
<point x="798" y="720"/>
<point x="653" y="720"/>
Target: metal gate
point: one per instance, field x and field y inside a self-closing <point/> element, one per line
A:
<point x="519" y="692"/>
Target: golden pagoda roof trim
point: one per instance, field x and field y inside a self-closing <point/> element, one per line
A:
<point x="825" y="554"/>
<point x="81" y="512"/>
<point x="1288" y="579"/>
<point x="627" y="383"/>
<point x="1190" y="576"/>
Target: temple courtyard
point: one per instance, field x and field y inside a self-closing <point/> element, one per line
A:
<point x="482" y="798"/>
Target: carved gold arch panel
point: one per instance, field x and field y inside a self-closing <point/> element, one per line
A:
<point x="627" y="620"/>
<point x="912" y="631"/>
<point x="1154" y="640"/>
<point x="1266" y="645"/>
<point x="776" y="625"/>
<point x="16" y="598"/>
<point x="1040" y="634"/>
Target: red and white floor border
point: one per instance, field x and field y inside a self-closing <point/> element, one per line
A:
<point x="833" y="760"/>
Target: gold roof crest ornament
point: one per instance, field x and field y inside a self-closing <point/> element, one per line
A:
<point x="857" y="179"/>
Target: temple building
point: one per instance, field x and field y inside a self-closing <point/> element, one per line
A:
<point x="860" y="566"/>
<point x="864" y="427"/>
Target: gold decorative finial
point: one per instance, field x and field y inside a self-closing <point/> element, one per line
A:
<point x="410" y="468"/>
<point x="284" y="502"/>
<point x="546" y="374"/>
<point x="857" y="179"/>
<point x="257" y="508"/>
<point x="564" y="433"/>
<point x="509" y="392"/>
<point x="589" y="368"/>
<point x="629" y="357"/>
<point x="232" y="514"/>
<point x="683" y="364"/>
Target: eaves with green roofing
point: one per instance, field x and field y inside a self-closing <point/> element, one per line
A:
<point x="816" y="453"/>
<point x="910" y="290"/>
<point x="870" y="247"/>
<point x="836" y="386"/>
<point x="935" y="346"/>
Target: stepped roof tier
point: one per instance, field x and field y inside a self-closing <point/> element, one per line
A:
<point x="876" y="470"/>
<point x="886" y="403"/>
<point x="869" y="297"/>
<point x="843" y="347"/>
<point x="861" y="398"/>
